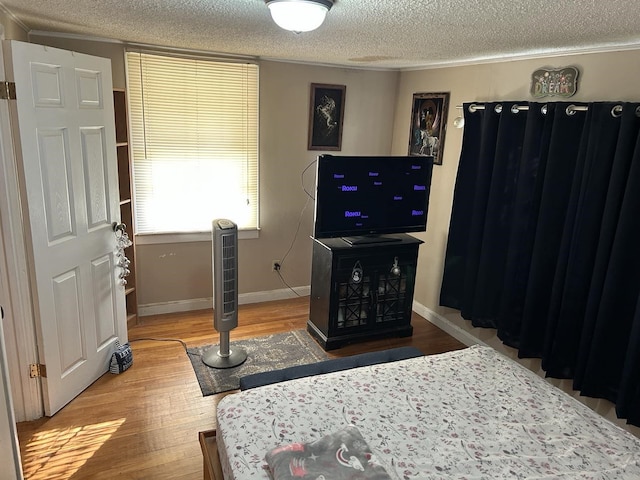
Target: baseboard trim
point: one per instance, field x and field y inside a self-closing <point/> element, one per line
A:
<point x="444" y="324"/>
<point x="205" y="303"/>
<point x="174" y="307"/>
<point x="270" y="295"/>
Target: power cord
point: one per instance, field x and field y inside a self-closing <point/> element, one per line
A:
<point x="184" y="345"/>
<point x="302" y="180"/>
<point x="295" y="236"/>
<point x="285" y="282"/>
<point x="279" y="270"/>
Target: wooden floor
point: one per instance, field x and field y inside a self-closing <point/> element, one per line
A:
<point x="144" y="423"/>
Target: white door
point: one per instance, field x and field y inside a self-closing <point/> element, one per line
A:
<point x="65" y="141"/>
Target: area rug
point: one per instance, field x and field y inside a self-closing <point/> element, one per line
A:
<point x="268" y="353"/>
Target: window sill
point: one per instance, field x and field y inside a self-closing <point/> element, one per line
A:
<point x="157" y="238"/>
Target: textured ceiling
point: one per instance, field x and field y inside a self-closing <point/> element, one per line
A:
<point x="364" y="33"/>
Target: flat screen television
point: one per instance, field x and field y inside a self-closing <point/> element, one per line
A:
<point x="367" y="198"/>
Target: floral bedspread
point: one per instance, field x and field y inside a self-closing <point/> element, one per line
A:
<point x="470" y="413"/>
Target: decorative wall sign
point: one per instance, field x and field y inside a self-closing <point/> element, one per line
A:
<point x="326" y="113"/>
<point x="428" y="124"/>
<point x="554" y="82"/>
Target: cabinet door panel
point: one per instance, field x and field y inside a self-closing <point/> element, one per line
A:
<point x="353" y="301"/>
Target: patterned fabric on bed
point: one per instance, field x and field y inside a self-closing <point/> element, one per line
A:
<point x="471" y="413"/>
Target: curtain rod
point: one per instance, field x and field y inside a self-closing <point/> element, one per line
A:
<point x="616" y="111"/>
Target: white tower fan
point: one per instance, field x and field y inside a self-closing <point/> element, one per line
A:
<point x="224" y="241"/>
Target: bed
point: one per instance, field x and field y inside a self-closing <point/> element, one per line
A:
<point x="470" y="413"/>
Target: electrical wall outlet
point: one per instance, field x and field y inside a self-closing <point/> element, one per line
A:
<point x="275" y="265"/>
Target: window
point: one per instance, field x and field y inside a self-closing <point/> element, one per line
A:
<point x="194" y="142"/>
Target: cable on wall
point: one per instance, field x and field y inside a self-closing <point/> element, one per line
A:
<point x="295" y="236"/>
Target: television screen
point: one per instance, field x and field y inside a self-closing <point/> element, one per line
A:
<point x="369" y="196"/>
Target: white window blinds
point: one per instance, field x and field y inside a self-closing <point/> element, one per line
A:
<point x="194" y="142"/>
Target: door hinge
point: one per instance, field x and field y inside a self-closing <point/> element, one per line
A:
<point x="7" y="90"/>
<point x="37" y="370"/>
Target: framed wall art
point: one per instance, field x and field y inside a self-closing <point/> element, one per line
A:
<point x="429" y="125"/>
<point x="326" y="113"/>
<point x="554" y="82"/>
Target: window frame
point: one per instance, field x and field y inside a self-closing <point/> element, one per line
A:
<point x="149" y="238"/>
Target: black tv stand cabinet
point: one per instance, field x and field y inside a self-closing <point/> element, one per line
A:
<point x="361" y="291"/>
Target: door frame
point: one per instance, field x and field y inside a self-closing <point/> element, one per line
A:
<point x="21" y="347"/>
<point x="10" y="457"/>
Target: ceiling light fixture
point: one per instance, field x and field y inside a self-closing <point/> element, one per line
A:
<point x="299" y="15"/>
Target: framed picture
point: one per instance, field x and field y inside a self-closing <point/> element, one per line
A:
<point x="326" y="113"/>
<point x="554" y="82"/>
<point x="429" y="125"/>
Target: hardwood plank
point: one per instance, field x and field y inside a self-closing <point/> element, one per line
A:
<point x="145" y="422"/>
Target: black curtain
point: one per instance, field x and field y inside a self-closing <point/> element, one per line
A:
<point x="544" y="239"/>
